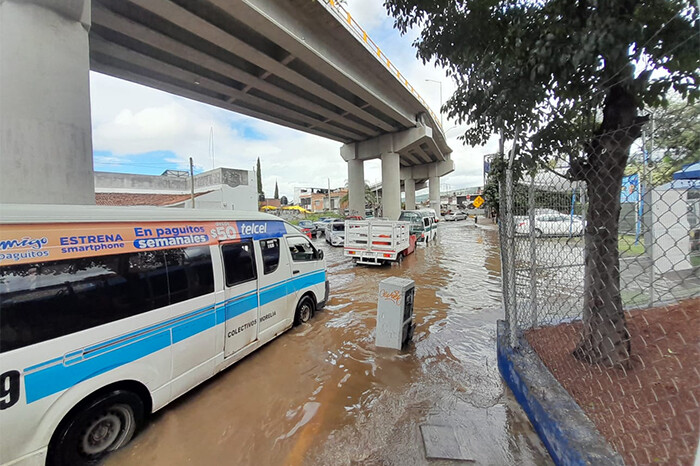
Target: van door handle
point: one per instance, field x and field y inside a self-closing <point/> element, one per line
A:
<point x="295" y="271"/>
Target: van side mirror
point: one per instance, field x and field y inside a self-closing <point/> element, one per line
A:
<point x="319" y="254"/>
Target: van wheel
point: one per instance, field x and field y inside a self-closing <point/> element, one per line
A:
<point x="305" y="311"/>
<point x="538" y="233"/>
<point x="105" y="424"/>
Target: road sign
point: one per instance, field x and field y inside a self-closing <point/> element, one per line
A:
<point x="478" y="202"/>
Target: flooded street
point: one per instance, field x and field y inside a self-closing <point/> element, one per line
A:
<point x="324" y="394"/>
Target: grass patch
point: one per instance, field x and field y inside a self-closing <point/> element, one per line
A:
<point x="634" y="298"/>
<point x="626" y="246"/>
<point x="695" y="260"/>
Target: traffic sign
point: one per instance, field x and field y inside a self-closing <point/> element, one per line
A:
<point x="478" y="202"/>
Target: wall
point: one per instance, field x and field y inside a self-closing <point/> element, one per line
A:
<point x="238" y="190"/>
<point x="127" y="182"/>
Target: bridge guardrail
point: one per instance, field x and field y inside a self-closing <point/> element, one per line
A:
<point x="345" y="18"/>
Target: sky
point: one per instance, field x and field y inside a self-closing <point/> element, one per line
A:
<point x="137" y="129"/>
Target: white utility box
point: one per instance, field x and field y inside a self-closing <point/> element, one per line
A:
<point x="395" y="312"/>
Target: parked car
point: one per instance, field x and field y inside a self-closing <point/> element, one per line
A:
<point x="335" y="232"/>
<point x="321" y="225"/>
<point x="454" y="216"/>
<point x="552" y="225"/>
<point x="308" y="224"/>
<point x="305" y="231"/>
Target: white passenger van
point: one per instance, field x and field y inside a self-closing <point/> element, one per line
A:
<point x="107" y="314"/>
<point x="423" y="223"/>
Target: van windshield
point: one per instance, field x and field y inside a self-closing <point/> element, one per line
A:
<point x="412" y="217"/>
<point x="339" y="227"/>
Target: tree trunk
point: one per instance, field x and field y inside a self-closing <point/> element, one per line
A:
<point x="605" y="338"/>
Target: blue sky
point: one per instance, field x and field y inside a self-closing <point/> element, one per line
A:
<point x="141" y="130"/>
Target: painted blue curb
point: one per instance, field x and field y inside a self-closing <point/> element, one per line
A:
<point x="565" y="430"/>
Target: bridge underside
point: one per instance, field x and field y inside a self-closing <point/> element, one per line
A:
<point x="288" y="62"/>
<point x="260" y="60"/>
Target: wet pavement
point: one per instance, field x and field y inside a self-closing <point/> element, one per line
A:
<point x="324" y="394"/>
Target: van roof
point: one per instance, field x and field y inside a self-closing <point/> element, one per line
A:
<point x="420" y="212"/>
<point x="43" y="213"/>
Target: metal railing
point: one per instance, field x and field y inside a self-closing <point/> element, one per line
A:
<point x="347" y="20"/>
<point x="646" y="402"/>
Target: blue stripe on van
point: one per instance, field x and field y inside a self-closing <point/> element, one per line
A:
<point x="57" y="374"/>
<point x="236" y="308"/>
<point x="58" y="378"/>
<point x="194" y="326"/>
<point x="273" y="294"/>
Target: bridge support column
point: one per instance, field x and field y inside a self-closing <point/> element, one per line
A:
<point x="434" y="193"/>
<point x="391" y="186"/>
<point x="356" y="187"/>
<point x="410" y="190"/>
<point x="45" y="127"/>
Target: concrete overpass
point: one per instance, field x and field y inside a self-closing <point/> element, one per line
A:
<point x="302" y="64"/>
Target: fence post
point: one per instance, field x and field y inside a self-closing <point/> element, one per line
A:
<point x="647" y="214"/>
<point x="510" y="238"/>
<point x="502" y="234"/>
<point x="533" y="253"/>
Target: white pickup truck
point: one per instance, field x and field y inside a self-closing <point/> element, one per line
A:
<point x="376" y="242"/>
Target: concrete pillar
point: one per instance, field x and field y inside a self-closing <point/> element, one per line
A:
<point x="45" y="127"/>
<point x="391" y="186"/>
<point x="410" y="189"/>
<point x="434" y="193"/>
<point x="356" y="187"/>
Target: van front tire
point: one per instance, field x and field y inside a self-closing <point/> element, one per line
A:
<point x="104" y="424"/>
<point x="305" y="310"/>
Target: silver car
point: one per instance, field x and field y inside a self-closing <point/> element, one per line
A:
<point x="454" y="216"/>
<point x="551" y="225"/>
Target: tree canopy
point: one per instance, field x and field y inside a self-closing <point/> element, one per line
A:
<point x="567" y="80"/>
<point x="261" y="193"/>
<point x="548" y="66"/>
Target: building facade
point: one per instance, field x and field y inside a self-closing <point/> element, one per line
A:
<point x="221" y="188"/>
<point x="319" y="199"/>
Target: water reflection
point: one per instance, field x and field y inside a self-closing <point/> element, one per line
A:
<point x="324" y="394"/>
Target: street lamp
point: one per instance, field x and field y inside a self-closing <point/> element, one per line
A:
<point x="440" y="83"/>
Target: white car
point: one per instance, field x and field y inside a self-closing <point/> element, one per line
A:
<point x="551" y="224"/>
<point x="321" y="225"/>
<point x="335" y="233"/>
<point x="454" y="216"/>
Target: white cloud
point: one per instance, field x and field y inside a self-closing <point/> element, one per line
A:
<point x="370" y="14"/>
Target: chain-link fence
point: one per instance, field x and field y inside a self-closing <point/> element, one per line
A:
<point x="602" y="277"/>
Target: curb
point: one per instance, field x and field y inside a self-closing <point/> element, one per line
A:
<point x="565" y="430"/>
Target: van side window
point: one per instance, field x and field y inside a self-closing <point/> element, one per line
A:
<point x="239" y="262"/>
<point x="47" y="300"/>
<point x="270" y="254"/>
<point x="302" y="250"/>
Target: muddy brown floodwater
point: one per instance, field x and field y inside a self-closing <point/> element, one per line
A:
<point x="324" y="394"/>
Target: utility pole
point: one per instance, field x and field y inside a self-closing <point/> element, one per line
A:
<point x="440" y="110"/>
<point x="192" y="181"/>
<point x="329" y="195"/>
